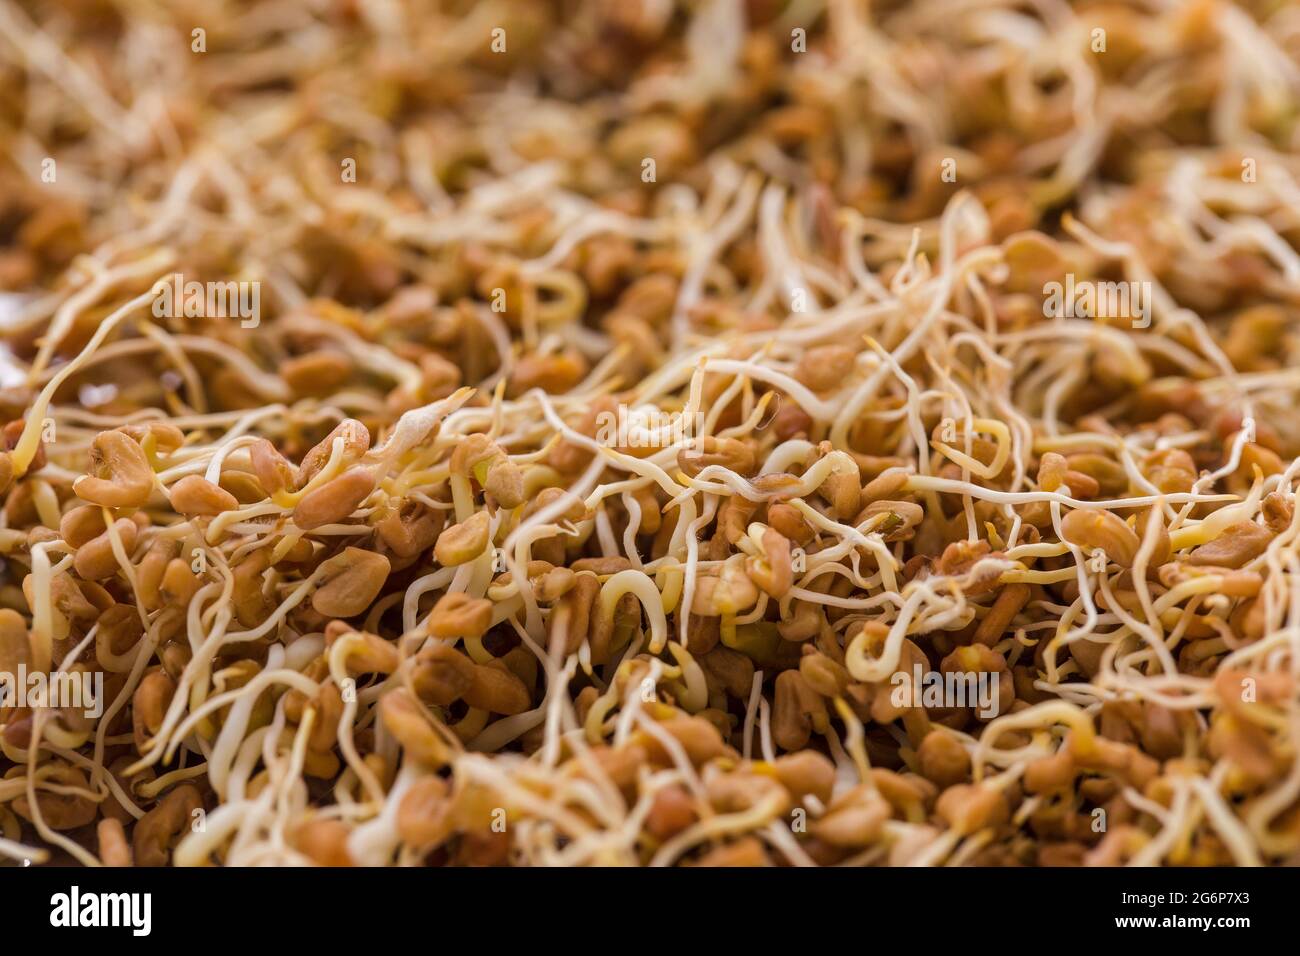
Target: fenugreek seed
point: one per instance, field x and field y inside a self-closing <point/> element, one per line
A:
<point x="1093" y="529"/>
<point x="854" y="819"/>
<point x="356" y="442"/>
<point x="411" y="529"/>
<point x="773" y="570"/>
<point x="162" y="827"/>
<point x="316" y="374"/>
<point x="730" y="453"/>
<point x="274" y="473"/>
<point x="442" y="675"/>
<point x="505" y="483"/>
<point x="324" y="842"/>
<point x="459" y="615"/>
<point x="195" y="495"/>
<point x="404" y="718"/>
<point x="350" y="582"/>
<point x="943" y="760"/>
<point x="825" y="367"/>
<point x="1009" y="601"/>
<point x="15" y="644"/>
<point x="334" y="500"/>
<point x="96" y="559"/>
<point x="82" y="525"/>
<point x="252" y="606"/>
<point x="971" y="807"/>
<point x="463" y="542"/>
<point x="824" y="675"/>
<point x="1237" y="545"/>
<point x="497" y="691"/>
<point x="178" y="583"/>
<point x="119" y="474"/>
<point x="113" y="848"/>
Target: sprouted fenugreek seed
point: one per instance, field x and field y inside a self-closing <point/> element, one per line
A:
<point x="637" y="403"/>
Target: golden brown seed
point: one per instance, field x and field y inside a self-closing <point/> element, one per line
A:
<point x="316" y="374"/>
<point x="471" y="451"/>
<point x="971" y="807"/>
<point x="730" y="670"/>
<point x="823" y="675"/>
<point x="334" y="500"/>
<point x="1051" y="471"/>
<point x="555" y="373"/>
<point x="727" y="592"/>
<point x="369" y="653"/>
<point x="15" y="646"/>
<point x="574" y="510"/>
<point x="252" y="607"/>
<point x="1009" y="602"/>
<point x="96" y="560"/>
<point x="804" y="773"/>
<point x="505" y="483"/>
<point x="405" y="720"/>
<point x="424" y="815"/>
<point x="553" y="585"/>
<point x="1110" y="476"/>
<point x="459" y="615"/>
<point x="164" y="436"/>
<point x="730" y="453"/>
<point x="1171" y="470"/>
<point x="904" y="516"/>
<point x="149" y="705"/>
<point x="195" y="495"/>
<point x="1237" y="545"/>
<point x="178" y="584"/>
<point x="943" y="760"/>
<point x="442" y="675"/>
<point x="463" y="542"/>
<point x="82" y="525"/>
<point x="772" y="571"/>
<point x="796" y="711"/>
<point x="350" y="582"/>
<point x="410" y="529"/>
<point x="273" y="470"/>
<point x="746" y="852"/>
<point x="787" y="520"/>
<point x="162" y="827"/>
<point x="113" y="847"/>
<point x="149" y="574"/>
<point x="356" y="442"/>
<point x="854" y="819"/>
<point x="825" y="367"/>
<point x="324" y="842"/>
<point x="842" y="490"/>
<point x="803" y="623"/>
<point x="601" y="566"/>
<point x="119" y="475"/>
<point x="671" y="812"/>
<point x="699" y="738"/>
<point x="497" y="691"/>
<point x="119" y="629"/>
<point x="1092" y="529"/>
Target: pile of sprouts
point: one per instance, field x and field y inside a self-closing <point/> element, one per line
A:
<point x="635" y="396"/>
